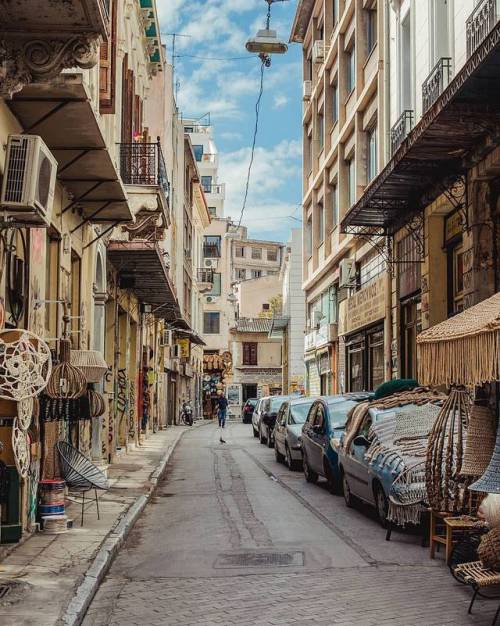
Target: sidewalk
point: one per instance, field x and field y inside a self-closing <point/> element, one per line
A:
<point x="56" y="575"/>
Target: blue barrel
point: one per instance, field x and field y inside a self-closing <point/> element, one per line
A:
<point x="51" y="509"/>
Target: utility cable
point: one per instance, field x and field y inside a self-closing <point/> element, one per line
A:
<point x="252" y="153"/>
<point x="195" y="56"/>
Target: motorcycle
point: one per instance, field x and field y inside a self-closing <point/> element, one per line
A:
<point x="187" y="414"/>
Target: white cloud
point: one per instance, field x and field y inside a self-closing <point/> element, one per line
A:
<point x="279" y="101"/>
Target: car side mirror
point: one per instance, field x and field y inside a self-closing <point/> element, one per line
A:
<point x="361" y="440"/>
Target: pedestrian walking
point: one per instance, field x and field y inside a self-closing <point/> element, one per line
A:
<point x="222" y="412"/>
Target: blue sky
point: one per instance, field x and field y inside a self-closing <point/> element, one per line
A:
<point x="228" y="90"/>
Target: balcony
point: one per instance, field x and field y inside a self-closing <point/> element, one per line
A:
<point x="208" y="157"/>
<point x="480" y="23"/>
<point x="437" y="81"/>
<point x="400" y="129"/>
<point x="215" y="190"/>
<point x="205" y="279"/>
<point x="39" y="40"/>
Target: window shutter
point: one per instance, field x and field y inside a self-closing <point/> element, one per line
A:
<point x="107" y="67"/>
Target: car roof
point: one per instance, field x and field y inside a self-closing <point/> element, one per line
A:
<point x="356" y="396"/>
<point x="302" y="400"/>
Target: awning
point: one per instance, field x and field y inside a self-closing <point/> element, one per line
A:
<point x="61" y="112"/>
<point x="191" y="335"/>
<point x="455" y="133"/>
<point x="462" y="350"/>
<point x="142" y="266"/>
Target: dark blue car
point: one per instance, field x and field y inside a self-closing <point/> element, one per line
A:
<point x="321" y="433"/>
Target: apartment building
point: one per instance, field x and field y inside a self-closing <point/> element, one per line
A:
<point x="344" y="130"/>
<point x="253" y="258"/>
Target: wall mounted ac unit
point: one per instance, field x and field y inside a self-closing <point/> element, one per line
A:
<point x="319" y="51"/>
<point x="211" y="299"/>
<point x="306" y="90"/>
<point x="211" y="263"/>
<point x="29" y="180"/>
<point x="347" y="272"/>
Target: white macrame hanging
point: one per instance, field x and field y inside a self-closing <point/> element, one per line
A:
<point x="25" y="364"/>
<point x="24" y="413"/>
<point x="21" y="449"/>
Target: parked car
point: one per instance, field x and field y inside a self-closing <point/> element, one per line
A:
<point x="321" y="434"/>
<point x="256" y="416"/>
<point x="269" y="411"/>
<point x="248" y="409"/>
<point x="288" y="431"/>
<point x="370" y="482"/>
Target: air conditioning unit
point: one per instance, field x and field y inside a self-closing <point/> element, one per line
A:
<point x="210" y="263"/>
<point x="306" y="90"/>
<point x="212" y="299"/>
<point x="347" y="272"/>
<point x="166" y="339"/>
<point x="319" y="51"/>
<point x="29" y="180"/>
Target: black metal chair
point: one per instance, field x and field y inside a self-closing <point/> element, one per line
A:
<point x="80" y="474"/>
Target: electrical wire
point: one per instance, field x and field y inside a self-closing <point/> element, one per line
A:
<point x="252" y="153"/>
<point x="195" y="56"/>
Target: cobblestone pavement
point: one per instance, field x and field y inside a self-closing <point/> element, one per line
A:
<point x="234" y="538"/>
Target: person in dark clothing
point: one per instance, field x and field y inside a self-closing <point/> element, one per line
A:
<point x="222" y="412"/>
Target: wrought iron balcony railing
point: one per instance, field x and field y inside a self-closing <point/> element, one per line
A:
<point x="436" y="82"/>
<point x="480" y="22"/>
<point x="400" y="129"/>
<point x="205" y="275"/>
<point x="142" y="163"/>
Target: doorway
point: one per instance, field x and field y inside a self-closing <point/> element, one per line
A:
<point x="249" y="391"/>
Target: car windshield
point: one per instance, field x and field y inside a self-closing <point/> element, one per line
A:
<point x="339" y="411"/>
<point x="299" y="412"/>
<point x="251" y="403"/>
<point x="276" y="404"/>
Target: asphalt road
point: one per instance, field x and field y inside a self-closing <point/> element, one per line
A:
<point x="232" y="537"/>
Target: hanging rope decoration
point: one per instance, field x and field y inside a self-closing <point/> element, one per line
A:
<point x="96" y="402"/>
<point x="25" y="364"/>
<point x="445" y="453"/>
<point x="25" y="413"/>
<point x="21" y="449"/>
<point x="67" y="381"/>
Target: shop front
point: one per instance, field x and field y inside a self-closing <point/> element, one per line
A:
<point x="362" y="325"/>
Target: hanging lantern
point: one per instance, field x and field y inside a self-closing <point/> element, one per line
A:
<point x="66" y="380"/>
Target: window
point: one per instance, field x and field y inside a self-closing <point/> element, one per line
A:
<point x="308" y="153"/>
<point x="206" y="183"/>
<point x="371" y="30"/>
<point x="240" y="274"/>
<point x="321" y="130"/>
<point x="211" y="246"/>
<point x="456" y="271"/>
<point x="256" y="273"/>
<point x="76" y="295"/>
<point x="188" y="129"/>
<point x="256" y="253"/>
<point x="371" y="155"/>
<point x="211" y="322"/>
<point x="335" y="9"/>
<point x="351" y="70"/>
<point x="370" y="267"/>
<point x="308" y="241"/>
<point x="321" y="223"/>
<point x="212" y="211"/>
<point x="335" y="206"/>
<point x="266" y="306"/>
<point x="272" y="255"/>
<point x="198" y="152"/>
<point x="249" y="353"/>
<point x="351" y="181"/>
<point x="335" y="103"/>
<point x="405" y="64"/>
<point x="216" y="287"/>
<point x="411" y="325"/>
<point x="239" y="251"/>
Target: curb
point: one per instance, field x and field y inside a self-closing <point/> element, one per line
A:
<point x="78" y="605"/>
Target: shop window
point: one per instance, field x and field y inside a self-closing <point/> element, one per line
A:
<point x="375" y="359"/>
<point x="411" y="325"/>
<point x="355" y="364"/>
<point x="211" y="322"/>
<point x="456" y="278"/>
<point x="365" y="360"/>
<point x="249" y="353"/>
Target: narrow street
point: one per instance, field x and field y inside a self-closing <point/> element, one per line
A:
<point x="232" y="537"/>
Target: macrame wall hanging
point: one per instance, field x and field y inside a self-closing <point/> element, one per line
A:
<point x="446" y="487"/>
<point x="21" y="449"/>
<point x="25" y="364"/>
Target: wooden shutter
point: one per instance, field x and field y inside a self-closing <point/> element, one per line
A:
<point x="107" y="67"/>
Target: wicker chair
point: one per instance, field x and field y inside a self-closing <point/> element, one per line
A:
<point x="80" y="474"/>
<point x="479" y="578"/>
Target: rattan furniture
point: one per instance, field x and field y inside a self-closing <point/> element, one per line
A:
<point x="81" y="475"/>
<point x="479" y="578"/>
<point x="447" y="531"/>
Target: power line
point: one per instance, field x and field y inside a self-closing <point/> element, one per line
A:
<point x="252" y="154"/>
<point x="195" y="56"/>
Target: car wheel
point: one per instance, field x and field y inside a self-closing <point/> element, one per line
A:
<point x="277" y="454"/>
<point x="262" y="439"/>
<point x="347" y="491"/>
<point x="291" y="464"/>
<point x="381" y="504"/>
<point x="332" y="479"/>
<point x="255" y="432"/>
<point x="311" y="476"/>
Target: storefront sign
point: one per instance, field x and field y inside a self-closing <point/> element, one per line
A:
<point x="183" y="348"/>
<point x="453" y="226"/>
<point x="365" y="307"/>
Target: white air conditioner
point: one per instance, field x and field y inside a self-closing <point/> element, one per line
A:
<point x="210" y="263"/>
<point x="212" y="299"/>
<point x="306" y="90"/>
<point x="347" y="272"/>
<point x="29" y="180"/>
<point x="319" y="51"/>
<point x="166" y="339"/>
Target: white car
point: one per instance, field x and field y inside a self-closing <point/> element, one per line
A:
<point x="256" y="417"/>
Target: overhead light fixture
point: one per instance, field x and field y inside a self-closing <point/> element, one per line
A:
<point x="266" y="41"/>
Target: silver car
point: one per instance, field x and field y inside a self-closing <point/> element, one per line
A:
<point x="256" y="417"/>
<point x="288" y="431"/>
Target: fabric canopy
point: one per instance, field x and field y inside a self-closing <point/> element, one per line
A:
<point x="462" y="350"/>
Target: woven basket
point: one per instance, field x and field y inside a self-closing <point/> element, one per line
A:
<point x="480" y="441"/>
<point x="489" y="549"/>
<point x="91" y="363"/>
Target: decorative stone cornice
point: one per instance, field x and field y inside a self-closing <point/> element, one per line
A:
<point x="23" y="61"/>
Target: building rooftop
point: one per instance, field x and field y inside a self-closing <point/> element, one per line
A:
<point x="253" y="325"/>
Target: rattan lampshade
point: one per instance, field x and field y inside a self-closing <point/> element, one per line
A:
<point x="91" y="363"/>
<point x="480" y="441"/>
<point x="490" y="480"/>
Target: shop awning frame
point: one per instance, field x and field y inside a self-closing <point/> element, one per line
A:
<point x="453" y="135"/>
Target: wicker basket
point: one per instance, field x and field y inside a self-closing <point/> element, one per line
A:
<point x="480" y="441"/>
<point x="91" y="363"/>
<point x="489" y="549"/>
